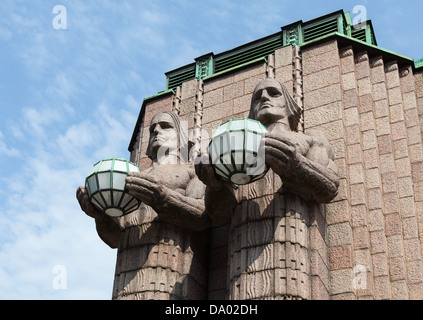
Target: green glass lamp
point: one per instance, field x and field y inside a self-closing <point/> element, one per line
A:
<point x="107" y="188"/>
<point x="236" y="151"/>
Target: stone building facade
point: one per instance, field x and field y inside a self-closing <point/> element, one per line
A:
<point x="364" y="244"/>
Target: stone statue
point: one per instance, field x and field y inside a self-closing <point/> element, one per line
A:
<point x="161" y="253"/>
<point x="269" y="219"/>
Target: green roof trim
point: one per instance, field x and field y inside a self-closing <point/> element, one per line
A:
<point x="338" y="23"/>
<point x="158" y="94"/>
<point x="246" y="64"/>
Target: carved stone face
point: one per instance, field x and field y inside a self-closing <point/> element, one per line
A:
<point x="163" y="135"/>
<point x="268" y="103"/>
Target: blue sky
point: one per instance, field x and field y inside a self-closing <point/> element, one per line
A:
<point x="70" y="97"/>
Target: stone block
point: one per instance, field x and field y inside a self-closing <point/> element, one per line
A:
<point x="284" y="75"/>
<point x="321" y="115"/>
<point x="397" y="269"/>
<point x="414" y="272"/>
<point x="381" y="108"/>
<point x="399" y="290"/>
<point x="187" y="106"/>
<point x="314" y="62"/>
<point x="412" y="250"/>
<point x="417" y="171"/>
<point x="250" y="71"/>
<point x="394" y="95"/>
<point x="340" y="234"/>
<point x="354" y="153"/>
<point x="382" y="126"/>
<point x="372" y="178"/>
<point x="380" y="264"/>
<point x="395" y="246"/>
<point x="416" y="153"/>
<point x="325" y="78"/>
<point x="382" y="290"/>
<point x="379" y="91"/>
<point x="349" y="81"/>
<point x="349" y="98"/>
<point x="407" y="80"/>
<point x="415" y="291"/>
<point x="376" y="222"/>
<point x="406" y="207"/>
<point x="347" y="60"/>
<point x="398" y="130"/>
<point x="212" y="97"/>
<point x="390" y="203"/>
<point x="377" y="70"/>
<point x="337" y="212"/>
<point x="233" y="91"/>
<point x="341" y="257"/>
<point x="393" y="224"/>
<point x="378" y="242"/>
<point x="410" y="228"/>
<point x="396" y="113"/>
<point x="318" y="289"/>
<point x="369" y="140"/>
<point x="370" y="158"/>
<point x="283" y="56"/>
<point x="364" y="86"/>
<point x="392" y="76"/>
<point x="400" y="148"/>
<point x="358" y="194"/>
<point x="326" y="97"/>
<point x="351" y="117"/>
<point x="361" y="237"/>
<point x="341" y="281"/>
<point x="365" y="103"/>
<point x="332" y="131"/>
<point x="189" y="89"/>
<point x="384" y="144"/>
<point x="356" y="173"/>
<point x="218" y="82"/>
<point x="411" y="117"/>
<point x="358" y="215"/>
<point x="367" y="121"/>
<point x="405" y="187"/>
<point x="217" y="112"/>
<point x="389" y="182"/>
<point x="352" y="133"/>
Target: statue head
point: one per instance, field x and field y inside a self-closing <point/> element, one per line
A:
<point x="167" y="138"/>
<point x="272" y="103"/>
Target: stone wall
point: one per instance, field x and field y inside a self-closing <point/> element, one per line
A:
<point x="366" y="243"/>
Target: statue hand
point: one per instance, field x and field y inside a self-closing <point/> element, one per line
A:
<point x="86" y="206"/>
<point x="205" y="172"/>
<point x="281" y="153"/>
<point x="146" y="188"/>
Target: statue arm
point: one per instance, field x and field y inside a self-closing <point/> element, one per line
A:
<point x="107" y="229"/>
<point x="219" y="197"/>
<point x="313" y="175"/>
<point x="184" y="210"/>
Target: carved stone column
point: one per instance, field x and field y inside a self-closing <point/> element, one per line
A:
<point x="157" y="260"/>
<point x="268" y="246"/>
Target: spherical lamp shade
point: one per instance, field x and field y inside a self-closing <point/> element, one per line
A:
<point x="236" y="151"/>
<point x="107" y="188"/>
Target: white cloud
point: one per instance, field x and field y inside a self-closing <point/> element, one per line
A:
<point x="7" y="151"/>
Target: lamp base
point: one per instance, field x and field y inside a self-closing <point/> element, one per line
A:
<point x="240" y="178"/>
<point x="114" y="212"/>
